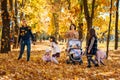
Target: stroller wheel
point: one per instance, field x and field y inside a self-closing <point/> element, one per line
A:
<point x="68" y="62"/>
<point x="81" y="62"/>
<point x="73" y="62"/>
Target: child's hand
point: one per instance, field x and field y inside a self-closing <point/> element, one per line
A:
<point x="85" y="47"/>
<point x="88" y="51"/>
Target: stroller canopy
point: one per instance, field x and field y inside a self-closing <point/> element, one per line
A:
<point x="74" y="43"/>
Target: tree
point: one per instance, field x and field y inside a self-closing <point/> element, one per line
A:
<point x="108" y="37"/>
<point x="69" y="4"/>
<point x="10" y="7"/>
<point x="80" y="23"/>
<point x="116" y="25"/>
<point x="56" y="26"/>
<point x="22" y="15"/>
<point x="14" y="19"/>
<point x="16" y="28"/>
<point x="56" y="10"/>
<point x="88" y="17"/>
<point x="11" y="4"/>
<point x="5" y="41"/>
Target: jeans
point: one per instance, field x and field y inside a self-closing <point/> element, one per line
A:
<point x="22" y="47"/>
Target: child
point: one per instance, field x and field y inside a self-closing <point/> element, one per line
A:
<point x="100" y="55"/>
<point x="92" y="48"/>
<point x="46" y="56"/>
<point x="55" y="49"/>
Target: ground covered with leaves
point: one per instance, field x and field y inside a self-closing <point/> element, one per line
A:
<point x="36" y="69"/>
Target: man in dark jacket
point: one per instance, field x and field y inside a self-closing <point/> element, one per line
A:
<point x="25" y="37"/>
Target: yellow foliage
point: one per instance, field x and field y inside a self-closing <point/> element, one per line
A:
<point x="39" y="12"/>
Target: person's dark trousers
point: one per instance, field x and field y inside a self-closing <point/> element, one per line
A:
<point x="23" y="43"/>
<point x="89" y="59"/>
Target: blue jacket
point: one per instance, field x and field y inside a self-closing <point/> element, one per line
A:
<point x="25" y="34"/>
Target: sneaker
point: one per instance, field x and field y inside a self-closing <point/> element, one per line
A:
<point x="96" y="65"/>
<point x="19" y="58"/>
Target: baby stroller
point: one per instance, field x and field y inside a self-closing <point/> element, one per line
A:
<point x="74" y="52"/>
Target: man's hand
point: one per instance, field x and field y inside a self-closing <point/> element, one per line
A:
<point x="33" y="42"/>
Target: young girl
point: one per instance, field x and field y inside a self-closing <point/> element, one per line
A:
<point x="91" y="48"/>
<point x="55" y="49"/>
<point x="47" y="56"/>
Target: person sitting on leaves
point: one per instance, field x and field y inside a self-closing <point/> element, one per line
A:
<point x="47" y="56"/>
<point x="55" y="49"/>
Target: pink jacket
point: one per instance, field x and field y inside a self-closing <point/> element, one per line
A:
<point x="46" y="58"/>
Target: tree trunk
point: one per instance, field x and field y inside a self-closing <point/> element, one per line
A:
<point x="22" y="15"/>
<point x="116" y="25"/>
<point x="11" y="21"/>
<point x="80" y="30"/>
<point x="16" y="27"/>
<point x="5" y="41"/>
<point x="11" y="4"/>
<point x="80" y="23"/>
<point x="108" y="37"/>
<point x="69" y="4"/>
<point x="88" y="17"/>
<point x="55" y="19"/>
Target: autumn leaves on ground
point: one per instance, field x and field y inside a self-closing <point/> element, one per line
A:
<point x="36" y="69"/>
